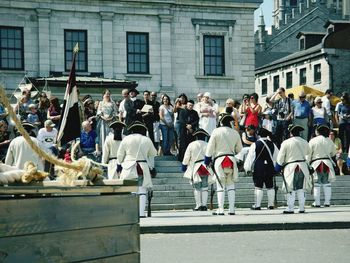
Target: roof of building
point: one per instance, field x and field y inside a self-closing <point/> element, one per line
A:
<point x="315" y="50"/>
<point x="304" y="33"/>
<point x="85" y="81"/>
<point x="334" y="22"/>
<point x="266" y="57"/>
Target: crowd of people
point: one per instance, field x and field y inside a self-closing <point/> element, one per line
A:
<point x="229" y="136"/>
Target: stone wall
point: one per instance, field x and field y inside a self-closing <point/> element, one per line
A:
<point x="175" y="52"/>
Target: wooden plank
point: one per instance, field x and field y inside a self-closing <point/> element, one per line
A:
<point x="64" y="190"/>
<point x="40" y="215"/>
<point x="128" y="258"/>
<point x="68" y="246"/>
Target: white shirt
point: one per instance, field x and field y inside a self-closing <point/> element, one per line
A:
<point x="327" y="104"/>
<point x="20" y="152"/>
<point x="47" y="139"/>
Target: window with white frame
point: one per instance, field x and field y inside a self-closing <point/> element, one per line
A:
<point x="317" y="73"/>
<point x="213" y="47"/>
<point x="214" y="55"/>
<point x="11" y="48"/>
<point x="71" y="38"/>
<point x="276" y="82"/>
<point x="289" y="80"/>
<point x="302" y="76"/>
<point x="264" y="86"/>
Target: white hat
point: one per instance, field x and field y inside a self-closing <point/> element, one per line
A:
<point x="49" y="123"/>
<point x="206" y="94"/>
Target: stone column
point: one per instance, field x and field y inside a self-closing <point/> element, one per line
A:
<point x="107" y="43"/>
<point x="44" y="41"/>
<point x="165" y="53"/>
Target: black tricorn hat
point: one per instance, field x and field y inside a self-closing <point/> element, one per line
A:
<point x="200" y="132"/>
<point x="322" y="128"/>
<point x="134" y="90"/>
<point x="117" y="125"/>
<point x="136" y="124"/>
<point x="262" y="132"/>
<point x="28" y="126"/>
<point x="295" y="128"/>
<point x="226" y="117"/>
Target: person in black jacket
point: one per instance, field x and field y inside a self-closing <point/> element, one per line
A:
<point x="188" y="123"/>
<point x="260" y="161"/>
<point x="132" y="107"/>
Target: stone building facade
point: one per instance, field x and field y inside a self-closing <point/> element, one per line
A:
<point x="168" y="46"/>
<point x="294" y="48"/>
<point x="322" y="66"/>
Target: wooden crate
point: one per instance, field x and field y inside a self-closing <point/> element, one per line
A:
<point x="52" y="223"/>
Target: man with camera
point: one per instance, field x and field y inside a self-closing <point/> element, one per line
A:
<point x="283" y="106"/>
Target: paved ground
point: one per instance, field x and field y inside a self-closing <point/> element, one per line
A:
<point x="312" y="246"/>
<point x="335" y="217"/>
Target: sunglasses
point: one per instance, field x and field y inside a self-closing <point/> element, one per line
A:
<point x="303" y="97"/>
<point x="319" y="102"/>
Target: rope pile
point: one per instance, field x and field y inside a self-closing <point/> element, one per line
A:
<point x="82" y="168"/>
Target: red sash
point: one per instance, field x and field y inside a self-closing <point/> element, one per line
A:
<point x="139" y="170"/>
<point x="322" y="168"/>
<point x="227" y="163"/>
<point x="202" y="171"/>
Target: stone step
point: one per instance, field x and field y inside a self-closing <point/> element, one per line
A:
<point x="172" y="191"/>
<point x="167" y="163"/>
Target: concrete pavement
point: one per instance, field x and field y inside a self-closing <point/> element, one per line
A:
<point x="186" y="221"/>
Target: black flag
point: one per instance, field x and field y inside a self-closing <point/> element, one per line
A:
<point x="70" y="120"/>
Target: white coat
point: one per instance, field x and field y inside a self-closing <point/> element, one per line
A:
<point x="195" y="152"/>
<point x="109" y="151"/>
<point x="293" y="149"/>
<point x="224" y="140"/>
<point x="133" y="148"/>
<point x="322" y="147"/>
<point x="20" y="152"/>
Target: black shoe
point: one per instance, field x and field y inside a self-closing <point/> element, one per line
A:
<point x="318" y="206"/>
<point x="203" y="208"/>
<point x="288" y="212"/>
<point x="142" y="216"/>
<point x="327" y="205"/>
<point x="197" y="209"/>
<point x="255" y="208"/>
<point x="231" y="214"/>
<point x="271" y="207"/>
<point x="218" y="214"/>
<point x="302" y="212"/>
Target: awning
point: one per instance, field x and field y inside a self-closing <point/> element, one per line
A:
<point x="314" y="92"/>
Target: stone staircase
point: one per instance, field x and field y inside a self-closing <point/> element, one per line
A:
<point x="173" y="192"/>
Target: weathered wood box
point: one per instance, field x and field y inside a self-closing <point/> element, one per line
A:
<point x="46" y="222"/>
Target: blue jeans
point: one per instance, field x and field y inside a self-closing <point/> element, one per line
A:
<point x="168" y="138"/>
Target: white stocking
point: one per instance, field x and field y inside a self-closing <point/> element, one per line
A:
<point x="142" y="191"/>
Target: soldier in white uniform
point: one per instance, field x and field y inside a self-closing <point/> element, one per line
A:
<point x="223" y="145"/>
<point x="136" y="155"/>
<point x="262" y="158"/>
<point x="20" y="152"/>
<point x="110" y="148"/>
<point x="296" y="176"/>
<point x="195" y="169"/>
<point x="322" y="150"/>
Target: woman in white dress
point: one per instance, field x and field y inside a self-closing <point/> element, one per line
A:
<point x="106" y="113"/>
<point x="207" y="114"/>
